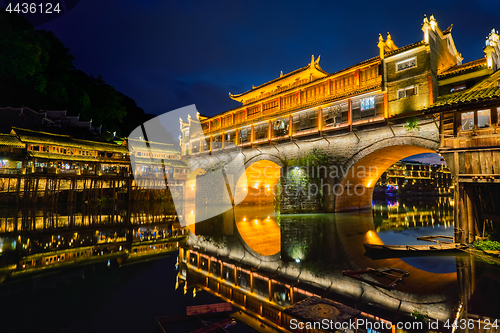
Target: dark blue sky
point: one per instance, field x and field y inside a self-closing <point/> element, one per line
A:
<point x="169" y="54"/>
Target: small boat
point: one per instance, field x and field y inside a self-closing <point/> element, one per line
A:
<point x="437" y="239"/>
<point x="438" y="247"/>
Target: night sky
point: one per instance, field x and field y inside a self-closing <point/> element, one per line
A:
<point x="169" y="54"/>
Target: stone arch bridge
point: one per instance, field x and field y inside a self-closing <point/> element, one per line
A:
<point x="357" y="159"/>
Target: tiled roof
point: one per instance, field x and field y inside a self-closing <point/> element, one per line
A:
<point x="461" y="68"/>
<point x="154" y="161"/>
<point x="300" y="107"/>
<point x="239" y="108"/>
<point x="468" y="96"/>
<point x="316" y="66"/>
<point x="35" y="137"/>
<point x="135" y="144"/>
<point x="404" y="48"/>
<point x="487" y="89"/>
<point x="355" y="65"/>
<point x="10" y="141"/>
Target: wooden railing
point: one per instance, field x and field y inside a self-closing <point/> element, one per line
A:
<point x="282" y="106"/>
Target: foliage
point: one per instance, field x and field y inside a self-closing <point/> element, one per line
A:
<point x="38" y="72"/>
<point x="306" y="170"/>
<point x="315" y="157"/>
<point x="412" y="124"/>
<point x="419" y="316"/>
<point x="277" y="201"/>
<point x="487" y="245"/>
<point x="217" y="166"/>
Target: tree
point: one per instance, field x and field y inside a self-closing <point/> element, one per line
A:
<point x="36" y="70"/>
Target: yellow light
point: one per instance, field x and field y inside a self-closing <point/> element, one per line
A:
<point x="244" y="219"/>
<point x="256" y="185"/>
<point x="256" y="221"/>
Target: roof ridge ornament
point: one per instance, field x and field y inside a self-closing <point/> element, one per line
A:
<point x="390" y="43"/>
<point x="381" y="45"/>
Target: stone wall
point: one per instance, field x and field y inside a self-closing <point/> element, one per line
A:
<point x="344" y="149"/>
<point x="299" y="194"/>
<point x="417" y="77"/>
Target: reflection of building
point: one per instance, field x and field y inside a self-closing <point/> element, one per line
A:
<point x="397" y="214"/>
<point x="51" y="239"/>
<point x="417" y="177"/>
<point x="273" y="299"/>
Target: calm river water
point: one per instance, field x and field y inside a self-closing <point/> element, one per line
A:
<point x="114" y="268"/>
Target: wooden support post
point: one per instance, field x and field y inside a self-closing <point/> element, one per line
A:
<point x="470" y="214"/>
<point x="18" y="188"/>
<point x="456" y="216"/>
<point x="464" y="226"/>
<point x="35" y="198"/>
<point x="349" y="114"/>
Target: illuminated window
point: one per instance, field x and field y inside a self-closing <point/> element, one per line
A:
<point x="406" y="64"/>
<point x="483" y="119"/>
<point x="244" y="135"/>
<point x="253" y="110"/>
<point x="409" y="91"/>
<point x="467" y="120"/>
<point x="239" y="116"/>
<point x="215" y="124"/>
<point x="498" y="115"/>
<point x="367" y="103"/>
<point x="227" y="120"/>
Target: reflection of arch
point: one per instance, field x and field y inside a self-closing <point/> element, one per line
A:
<point x="259" y="232"/>
<point x="356" y="229"/>
<point x="254" y="216"/>
<point x="367" y="166"/>
<point x="189" y="198"/>
<point x="190" y="192"/>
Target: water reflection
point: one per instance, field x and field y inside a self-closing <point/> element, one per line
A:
<point x="401" y="222"/>
<point x="269" y="262"/>
<point x="35" y="239"/>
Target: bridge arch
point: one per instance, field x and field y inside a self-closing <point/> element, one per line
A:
<point x="365" y="168"/>
<point x="255" y="217"/>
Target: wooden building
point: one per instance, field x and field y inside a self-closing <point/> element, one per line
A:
<point x="54" y="153"/>
<point x="11" y="153"/>
<point x="28" y="151"/>
<point x="399" y="82"/>
<point x="470" y="139"/>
